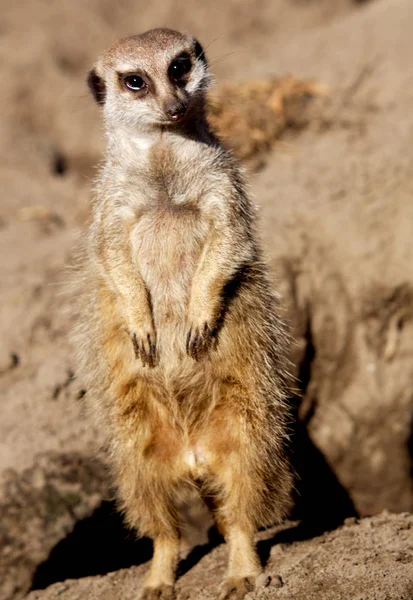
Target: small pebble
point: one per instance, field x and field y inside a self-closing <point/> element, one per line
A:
<point x="276" y="581"/>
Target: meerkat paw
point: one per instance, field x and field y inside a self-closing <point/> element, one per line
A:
<point x="236" y="588"/>
<point x="199" y="340"/>
<point x="144" y="345"/>
<point x="163" y="592"/>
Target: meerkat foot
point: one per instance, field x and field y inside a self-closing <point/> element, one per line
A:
<point x="145" y="348"/>
<point x="163" y="592"/>
<point x="236" y="588"/>
<point x="198" y="341"/>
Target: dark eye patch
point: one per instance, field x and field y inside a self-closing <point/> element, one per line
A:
<point x="179" y="67"/>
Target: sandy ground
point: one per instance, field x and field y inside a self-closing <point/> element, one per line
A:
<point x="370" y="560"/>
<point x="336" y="222"/>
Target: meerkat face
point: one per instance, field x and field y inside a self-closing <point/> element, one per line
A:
<point x="152" y="79"/>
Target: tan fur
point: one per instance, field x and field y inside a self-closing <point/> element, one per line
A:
<point x="178" y="331"/>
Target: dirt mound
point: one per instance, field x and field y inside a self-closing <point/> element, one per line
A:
<point x="366" y="560"/>
<point x="39" y="507"/>
<point x="251" y="117"/>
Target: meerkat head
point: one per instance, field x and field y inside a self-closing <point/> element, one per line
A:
<point x="150" y="80"/>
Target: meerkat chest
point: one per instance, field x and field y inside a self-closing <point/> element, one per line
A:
<point x="170" y="221"/>
<point x="167" y="240"/>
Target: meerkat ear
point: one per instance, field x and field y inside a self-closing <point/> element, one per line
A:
<point x="96" y="86"/>
<point x="199" y="52"/>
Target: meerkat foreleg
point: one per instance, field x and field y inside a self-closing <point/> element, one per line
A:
<point x="114" y="254"/>
<point x="220" y="260"/>
<point x="135" y="303"/>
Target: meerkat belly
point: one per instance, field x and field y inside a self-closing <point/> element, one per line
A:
<point x="167" y="246"/>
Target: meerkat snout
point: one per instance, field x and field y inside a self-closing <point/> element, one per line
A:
<point x="150" y="80"/>
<point x="176" y="110"/>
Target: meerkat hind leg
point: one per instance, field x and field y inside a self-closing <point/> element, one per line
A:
<point x="159" y="583"/>
<point x="237" y="488"/>
<point x="243" y="564"/>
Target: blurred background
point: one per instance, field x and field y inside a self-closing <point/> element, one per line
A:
<point x="315" y="97"/>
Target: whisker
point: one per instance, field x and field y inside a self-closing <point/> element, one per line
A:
<point x="213" y="41"/>
<point x="224" y="57"/>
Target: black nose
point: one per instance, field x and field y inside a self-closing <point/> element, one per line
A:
<point x="176" y="110"/>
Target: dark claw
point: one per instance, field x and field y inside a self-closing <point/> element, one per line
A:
<point x="198" y="342"/>
<point x="152" y="352"/>
<point x="135" y="345"/>
<point x="188" y="341"/>
<point x="146" y="354"/>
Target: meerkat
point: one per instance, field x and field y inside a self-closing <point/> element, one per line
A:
<point x="179" y="335"/>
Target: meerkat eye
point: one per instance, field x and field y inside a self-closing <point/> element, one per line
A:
<point x="179" y="67"/>
<point x="134" y="83"/>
